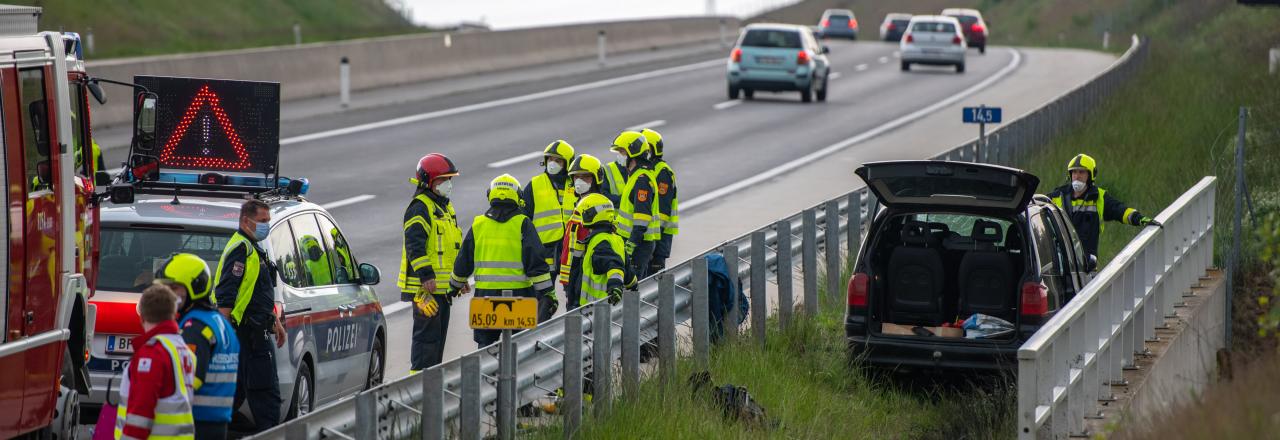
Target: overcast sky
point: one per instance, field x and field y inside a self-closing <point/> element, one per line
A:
<point x="508" y="14"/>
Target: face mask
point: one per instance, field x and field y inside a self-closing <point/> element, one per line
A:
<point x="444" y="188"/>
<point x="581" y="186"/>
<point x="1077" y="186"/>
<point x="261" y="230"/>
<point x="554" y="167"/>
<point x="621" y="159"/>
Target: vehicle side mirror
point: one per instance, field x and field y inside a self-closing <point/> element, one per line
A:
<point x="826" y="49"/>
<point x="96" y="91"/>
<point x="102" y="178"/>
<point x="121" y="193"/>
<point x="144" y="123"/>
<point x="1091" y="264"/>
<point x="369" y="274"/>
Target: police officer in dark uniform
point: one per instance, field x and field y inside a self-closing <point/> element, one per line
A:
<point x="1089" y="206"/>
<point x="245" y="292"/>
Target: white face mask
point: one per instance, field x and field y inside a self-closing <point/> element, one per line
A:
<point x="444" y="188"/>
<point x="554" y="167"/>
<point x="621" y="159"/>
<point x="1077" y="186"/>
<point x="581" y="186"/>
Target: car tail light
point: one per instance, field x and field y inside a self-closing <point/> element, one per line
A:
<point x="826" y="23"/>
<point x="802" y="58"/>
<point x="853" y="24"/>
<point x="737" y="55"/>
<point x="1035" y="299"/>
<point x="956" y="40"/>
<point x="891" y="27"/>
<point x="858" y="286"/>
<point x="976" y="28"/>
<point x="910" y="39"/>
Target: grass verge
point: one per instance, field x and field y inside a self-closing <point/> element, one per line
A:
<point x="151" y="27"/>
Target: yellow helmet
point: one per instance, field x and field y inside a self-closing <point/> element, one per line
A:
<point x="504" y="187"/>
<point x="631" y="143"/>
<point x="654" y="139"/>
<point x="595" y="208"/>
<point x="559" y="149"/>
<point x="188" y="271"/>
<point x="585" y="164"/>
<point x="1083" y="162"/>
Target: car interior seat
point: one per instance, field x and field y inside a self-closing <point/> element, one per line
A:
<point x="915" y="277"/>
<point x="987" y="275"/>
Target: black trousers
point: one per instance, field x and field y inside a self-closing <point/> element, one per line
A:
<point x="257" y="381"/>
<point x="640" y="258"/>
<point x="211" y="430"/>
<point x="429" y="334"/>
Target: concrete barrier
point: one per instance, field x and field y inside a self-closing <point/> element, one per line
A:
<point x="312" y="70"/>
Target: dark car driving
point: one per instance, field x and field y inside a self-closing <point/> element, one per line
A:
<point x="958" y="243"/>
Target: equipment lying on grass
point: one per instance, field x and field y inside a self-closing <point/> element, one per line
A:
<point x="735" y="401"/>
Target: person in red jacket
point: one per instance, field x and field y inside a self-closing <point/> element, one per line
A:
<point x="155" y="395"/>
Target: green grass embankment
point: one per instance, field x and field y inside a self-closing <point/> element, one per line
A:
<point x="150" y="27"/>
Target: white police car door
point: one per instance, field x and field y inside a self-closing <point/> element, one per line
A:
<point x="362" y="305"/>
<point x="298" y="304"/>
<point x="337" y="332"/>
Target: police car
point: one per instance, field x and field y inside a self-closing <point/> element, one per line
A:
<point x="189" y="198"/>
<point x="336" y="330"/>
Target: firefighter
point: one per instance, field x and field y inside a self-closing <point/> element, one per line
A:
<point x="1089" y="206"/>
<point x="603" y="261"/>
<point x="637" y="213"/>
<point x="502" y="250"/>
<point x="316" y="260"/>
<point x="155" y="394"/>
<point x="668" y="202"/>
<point x="613" y="176"/>
<point x="431" y="242"/>
<point x="548" y="200"/>
<point x="244" y="289"/>
<point x="210" y="337"/>
<point x="585" y="172"/>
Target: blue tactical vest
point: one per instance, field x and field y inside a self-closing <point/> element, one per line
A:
<point x="213" y="398"/>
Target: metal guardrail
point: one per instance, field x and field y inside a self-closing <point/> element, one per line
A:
<point x="462" y="393"/>
<point x="1069" y="365"/>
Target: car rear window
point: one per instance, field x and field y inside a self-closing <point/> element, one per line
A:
<point x="933" y="26"/>
<point x="130" y="256"/>
<point x="772" y="38"/>
<point x="838" y="18"/>
<point x="901" y="23"/>
<point x="966" y="19"/>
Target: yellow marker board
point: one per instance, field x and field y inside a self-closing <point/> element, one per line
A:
<point x="504" y="313"/>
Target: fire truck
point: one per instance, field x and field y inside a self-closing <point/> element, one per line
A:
<point x="51" y="177"/>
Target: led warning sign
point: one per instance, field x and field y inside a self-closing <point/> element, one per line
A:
<point x="217" y="125"/>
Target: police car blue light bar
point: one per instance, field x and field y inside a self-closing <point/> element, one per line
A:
<point x="216" y="181"/>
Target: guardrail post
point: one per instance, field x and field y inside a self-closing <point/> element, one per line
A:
<point x="602" y="357"/>
<point x="630" y="344"/>
<point x="571" y="406"/>
<point x="724" y="42"/>
<point x="667" y="326"/>
<point x="506" y="384"/>
<point x="433" y="404"/>
<point x="297" y="34"/>
<point x="854" y="224"/>
<point x="344" y="82"/>
<point x="700" y="313"/>
<point x="833" y="248"/>
<point x="733" y="317"/>
<point x="469" y="407"/>
<point x="600" y="47"/>
<point x="366" y="415"/>
<point x="809" y="261"/>
<point x="759" y="299"/>
<point x="785" y="269"/>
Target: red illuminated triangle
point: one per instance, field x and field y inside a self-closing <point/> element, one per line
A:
<point x="203" y="97"/>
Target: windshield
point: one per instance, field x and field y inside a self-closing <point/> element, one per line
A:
<point x="772" y="38"/>
<point x="130" y="256"/>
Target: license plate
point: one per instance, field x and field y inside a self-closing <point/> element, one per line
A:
<point x="119" y="345"/>
<point x="769" y="60"/>
<point x="932" y="51"/>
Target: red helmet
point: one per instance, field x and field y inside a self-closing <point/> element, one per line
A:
<point x="434" y="166"/>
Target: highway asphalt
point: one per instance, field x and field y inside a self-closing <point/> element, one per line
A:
<point x="359" y="161"/>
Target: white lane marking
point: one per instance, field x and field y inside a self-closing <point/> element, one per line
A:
<point x="861" y="67"/>
<point x="348" y="201"/>
<point x="833" y="76"/>
<point x="399" y="306"/>
<point x="884" y="60"/>
<point x="726" y="104"/>
<point x="650" y="124"/>
<point x="861" y="137"/>
<point x="500" y="103"/>
<point x="515" y="160"/>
